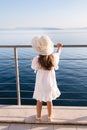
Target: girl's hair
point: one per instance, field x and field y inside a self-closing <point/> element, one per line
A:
<point x="46" y="61"/>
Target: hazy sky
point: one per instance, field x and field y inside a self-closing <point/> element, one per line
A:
<point x="43" y="13"/>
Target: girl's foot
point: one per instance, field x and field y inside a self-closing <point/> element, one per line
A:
<point x="49" y="118"/>
<point x="38" y="118"/>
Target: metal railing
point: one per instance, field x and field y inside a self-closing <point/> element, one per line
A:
<point x="16" y="59"/>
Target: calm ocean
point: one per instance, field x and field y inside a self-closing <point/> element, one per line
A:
<point x="71" y="76"/>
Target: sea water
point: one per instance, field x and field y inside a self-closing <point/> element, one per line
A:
<point x="71" y="76"/>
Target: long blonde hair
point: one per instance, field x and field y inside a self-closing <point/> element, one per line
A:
<point x="46" y="61"/>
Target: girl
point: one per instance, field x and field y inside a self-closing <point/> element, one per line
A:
<point x="45" y="64"/>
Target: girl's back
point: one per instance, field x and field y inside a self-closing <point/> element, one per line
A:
<point x="46" y="88"/>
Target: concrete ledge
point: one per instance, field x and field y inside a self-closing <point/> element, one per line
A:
<point x="26" y="115"/>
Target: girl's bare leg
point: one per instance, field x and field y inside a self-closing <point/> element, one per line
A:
<point x="39" y="108"/>
<point x="49" y="108"/>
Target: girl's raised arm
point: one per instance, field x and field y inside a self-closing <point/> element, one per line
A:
<point x="59" y="46"/>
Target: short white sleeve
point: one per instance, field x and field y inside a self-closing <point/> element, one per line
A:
<point x="56" y="57"/>
<point x="35" y="64"/>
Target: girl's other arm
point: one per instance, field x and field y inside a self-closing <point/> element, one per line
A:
<point x="59" y="46"/>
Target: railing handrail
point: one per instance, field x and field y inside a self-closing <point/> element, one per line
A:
<point x="30" y="46"/>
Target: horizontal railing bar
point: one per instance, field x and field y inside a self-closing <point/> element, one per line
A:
<point x="73" y="68"/>
<point x="32" y="91"/>
<point x="73" y="100"/>
<point x="7" y="66"/>
<point x="61" y="92"/>
<point x="32" y="58"/>
<point x="15" y="83"/>
<point x="60" y="67"/>
<point x="8" y="91"/>
<point x="73" y="45"/>
<point x="27" y="83"/>
<point x="61" y="76"/>
<point x="7" y="75"/>
<point x="6" y="58"/>
<point x="72" y="84"/>
<point x="57" y="75"/>
<point x="29" y="66"/>
<point x="73" y="58"/>
<point x="71" y="76"/>
<point x="6" y="98"/>
<point x="15" y="91"/>
<point x="15" y="46"/>
<point x="30" y="46"/>
<point x="63" y="84"/>
<point x="81" y="100"/>
<point x="17" y="59"/>
<point x="7" y="83"/>
<point x="60" y="59"/>
<point x="73" y="92"/>
<point x="58" y="84"/>
<point x="60" y="99"/>
<point x="27" y="91"/>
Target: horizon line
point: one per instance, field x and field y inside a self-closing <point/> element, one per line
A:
<point x="33" y="28"/>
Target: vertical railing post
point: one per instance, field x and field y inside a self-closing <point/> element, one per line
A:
<point x="17" y="76"/>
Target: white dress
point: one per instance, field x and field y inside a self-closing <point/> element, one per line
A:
<point x="46" y="88"/>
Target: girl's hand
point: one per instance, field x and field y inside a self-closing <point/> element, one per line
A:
<point x="59" y="45"/>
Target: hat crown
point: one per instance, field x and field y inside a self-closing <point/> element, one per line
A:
<point x="43" y="45"/>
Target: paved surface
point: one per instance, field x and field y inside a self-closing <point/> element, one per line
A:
<point x="5" y="126"/>
<point x="23" y="118"/>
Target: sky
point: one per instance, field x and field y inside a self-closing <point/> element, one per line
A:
<point x="43" y="13"/>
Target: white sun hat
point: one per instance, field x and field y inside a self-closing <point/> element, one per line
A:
<point x="43" y="45"/>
